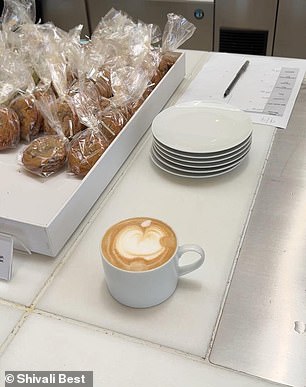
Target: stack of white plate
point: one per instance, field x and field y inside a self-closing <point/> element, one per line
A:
<point x="200" y="139"/>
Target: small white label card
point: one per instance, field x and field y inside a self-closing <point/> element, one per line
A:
<point x="6" y="256"/>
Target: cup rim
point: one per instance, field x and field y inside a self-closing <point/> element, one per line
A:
<point x="139" y="271"/>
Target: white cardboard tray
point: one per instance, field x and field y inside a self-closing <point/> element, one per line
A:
<point x="42" y="213"/>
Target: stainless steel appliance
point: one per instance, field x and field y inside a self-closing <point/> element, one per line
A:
<point x="262" y="27"/>
<point x="245" y="26"/>
<point x="65" y="14"/>
<point x="200" y="13"/>
<point x="290" y="33"/>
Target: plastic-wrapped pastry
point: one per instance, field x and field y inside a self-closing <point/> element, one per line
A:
<point x="130" y="85"/>
<point x="71" y="77"/>
<point x="66" y="117"/>
<point x="92" y="88"/>
<point x="9" y="128"/>
<point x="99" y="85"/>
<point x="104" y="103"/>
<point x="29" y="116"/>
<point x="85" y="150"/>
<point x="43" y="91"/>
<point x="135" y="105"/>
<point x="157" y="77"/>
<point x="45" y="155"/>
<point x="111" y="122"/>
<point x="87" y="146"/>
<point x="126" y="111"/>
<point x="103" y="83"/>
<point x="167" y="60"/>
<point x="177" y="30"/>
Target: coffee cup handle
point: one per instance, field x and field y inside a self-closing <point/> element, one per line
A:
<point x="185" y="269"/>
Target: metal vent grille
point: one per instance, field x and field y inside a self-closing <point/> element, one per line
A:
<point x="243" y="41"/>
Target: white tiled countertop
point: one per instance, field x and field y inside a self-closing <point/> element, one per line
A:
<point x="49" y="343"/>
<point x="209" y="213"/>
<point x="57" y="313"/>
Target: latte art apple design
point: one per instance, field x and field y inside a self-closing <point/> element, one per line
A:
<point x="139" y="244"/>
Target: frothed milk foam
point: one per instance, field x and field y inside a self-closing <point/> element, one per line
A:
<point x="139" y="244"/>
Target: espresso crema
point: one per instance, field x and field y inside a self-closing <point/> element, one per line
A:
<point x="139" y="244"/>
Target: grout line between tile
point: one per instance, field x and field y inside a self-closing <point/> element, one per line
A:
<point x="14" y="331"/>
<point x="131" y="339"/>
<point x="12" y="304"/>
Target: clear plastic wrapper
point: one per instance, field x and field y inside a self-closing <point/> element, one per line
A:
<point x="15" y="76"/>
<point x="127" y="41"/>
<point x="103" y="82"/>
<point x="64" y="112"/>
<point x="58" y="68"/>
<point x="39" y="44"/>
<point x="119" y="42"/>
<point x="121" y="60"/>
<point x="18" y="12"/>
<point x="44" y="90"/>
<point x="32" y="44"/>
<point x="2" y="42"/>
<point x="176" y="32"/>
<point x="129" y="84"/>
<point x="99" y="85"/>
<point x="111" y="121"/>
<point x="139" y="65"/>
<point x="60" y="116"/>
<point x="56" y="63"/>
<point x="30" y="118"/>
<point x="87" y="147"/>
<point x="134" y="105"/>
<point x="85" y="150"/>
<point x="46" y="48"/>
<point x="93" y="56"/>
<point x="9" y="128"/>
<point x="71" y="48"/>
<point x="86" y="104"/>
<point x="15" y="14"/>
<point x="84" y="85"/>
<point x="45" y="155"/>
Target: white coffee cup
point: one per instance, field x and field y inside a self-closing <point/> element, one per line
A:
<point x="141" y="289"/>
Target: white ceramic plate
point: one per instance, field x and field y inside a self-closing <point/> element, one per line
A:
<point x="201" y="127"/>
<point x="202" y="165"/>
<point x="187" y="174"/>
<point x="201" y="156"/>
<point x="193" y="170"/>
<point x="201" y="161"/>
